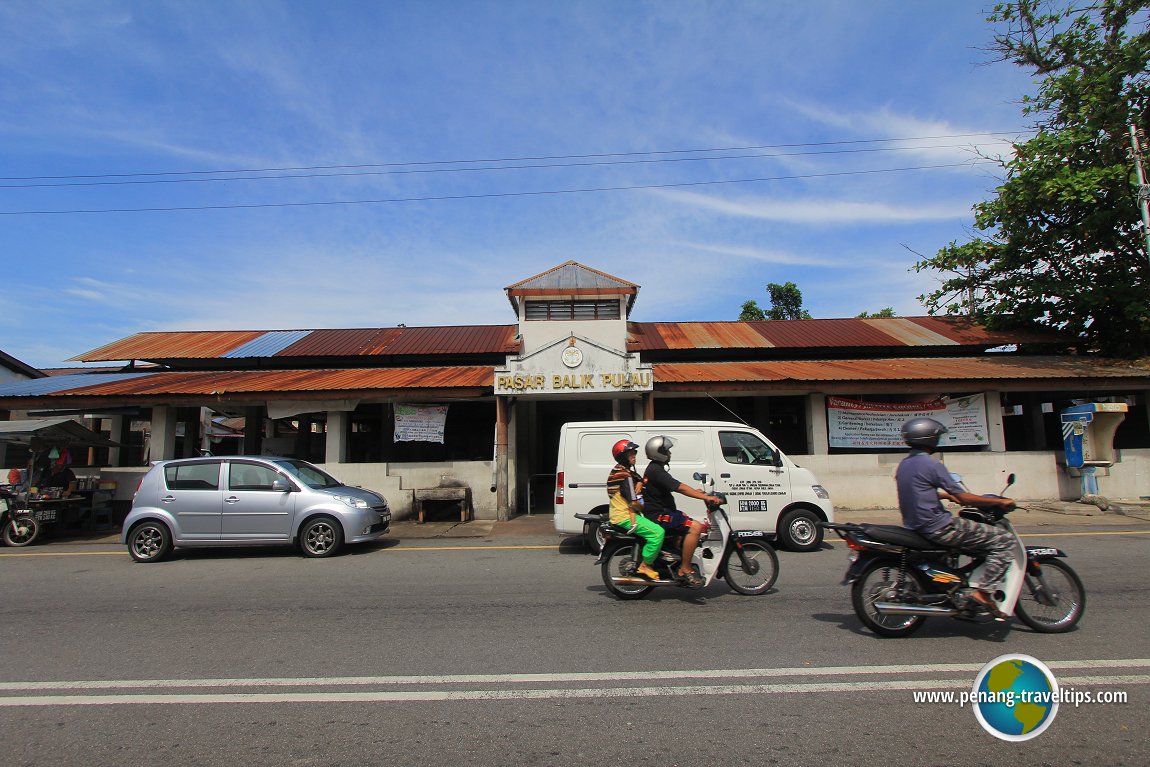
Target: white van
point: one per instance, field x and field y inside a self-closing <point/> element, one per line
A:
<point x="765" y="490"/>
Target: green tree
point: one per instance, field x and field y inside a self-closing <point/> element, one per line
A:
<point x="1061" y="244"/>
<point x="786" y="302"/>
<point x="751" y="312"/>
<point x="884" y="312"/>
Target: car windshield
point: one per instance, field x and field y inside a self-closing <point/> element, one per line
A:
<point x="312" y="476"/>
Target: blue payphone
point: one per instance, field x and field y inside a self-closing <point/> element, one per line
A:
<point x="1088" y="439"/>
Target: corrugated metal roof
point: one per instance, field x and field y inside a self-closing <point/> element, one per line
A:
<point x="267" y="345"/>
<point x="198" y="344"/>
<point x="219" y="384"/>
<point x="990" y="367"/>
<point x="36" y="387"/>
<point x="816" y="334"/>
<point x="572" y="276"/>
<point x="221" y="344"/>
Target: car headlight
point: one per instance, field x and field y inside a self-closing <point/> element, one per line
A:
<point x="821" y="491"/>
<point x="352" y="501"/>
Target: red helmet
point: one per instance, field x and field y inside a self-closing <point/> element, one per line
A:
<point x="621" y="448"/>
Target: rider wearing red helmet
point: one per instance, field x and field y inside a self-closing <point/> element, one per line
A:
<point x="625" y="488"/>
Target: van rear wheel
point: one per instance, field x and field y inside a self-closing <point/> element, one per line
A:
<point x="799" y="530"/>
<point x="593" y="534"/>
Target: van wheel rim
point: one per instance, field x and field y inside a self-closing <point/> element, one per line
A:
<point x="803" y="531"/>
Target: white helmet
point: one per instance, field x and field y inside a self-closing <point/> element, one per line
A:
<point x="659" y="449"/>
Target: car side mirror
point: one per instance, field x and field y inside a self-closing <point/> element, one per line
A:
<point x="280" y="486"/>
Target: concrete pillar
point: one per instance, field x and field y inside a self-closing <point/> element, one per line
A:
<point x="338" y="430"/>
<point x="994" y="422"/>
<point x="501" y="474"/>
<point x="817" y="442"/>
<point x="162" y="440"/>
<point x="115" y="428"/>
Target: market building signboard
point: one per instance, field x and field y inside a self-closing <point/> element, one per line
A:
<point x="573" y="366"/>
<point x="860" y="424"/>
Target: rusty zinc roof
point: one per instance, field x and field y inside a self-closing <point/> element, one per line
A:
<point x="286" y="344"/>
<point x="988" y="367"/>
<point x="871" y="332"/>
<point x="256" y="385"/>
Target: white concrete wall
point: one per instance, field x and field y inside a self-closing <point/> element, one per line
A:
<point x="854" y="481"/>
<point x="867" y="481"/>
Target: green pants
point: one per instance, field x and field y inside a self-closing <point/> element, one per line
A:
<point x="651" y="533"/>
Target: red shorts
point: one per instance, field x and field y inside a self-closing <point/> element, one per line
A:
<point x="675" y="522"/>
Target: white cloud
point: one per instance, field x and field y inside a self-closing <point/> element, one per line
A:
<point x="824" y="212"/>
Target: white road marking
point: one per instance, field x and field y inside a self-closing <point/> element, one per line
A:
<point x="393" y="696"/>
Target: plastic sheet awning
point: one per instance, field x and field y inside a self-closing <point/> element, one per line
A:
<point x="61" y="431"/>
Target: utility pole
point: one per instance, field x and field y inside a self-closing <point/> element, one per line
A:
<point x="1143" y="187"/>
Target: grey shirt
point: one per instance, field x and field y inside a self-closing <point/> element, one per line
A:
<point x="919" y="478"/>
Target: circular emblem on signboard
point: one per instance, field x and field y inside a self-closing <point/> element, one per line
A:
<point x="572" y="356"/>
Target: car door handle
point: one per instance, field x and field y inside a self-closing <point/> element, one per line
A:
<point x="168" y="499"/>
<point x="724" y="476"/>
<point x="231" y="499"/>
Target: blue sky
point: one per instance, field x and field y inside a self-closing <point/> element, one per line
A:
<point x="120" y="106"/>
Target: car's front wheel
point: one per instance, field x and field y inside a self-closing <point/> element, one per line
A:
<point x="149" y="541"/>
<point x="320" y="537"/>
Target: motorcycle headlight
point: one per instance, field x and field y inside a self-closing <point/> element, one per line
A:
<point x="352" y="501"/>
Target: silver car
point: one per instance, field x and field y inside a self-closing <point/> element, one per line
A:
<point x="248" y="500"/>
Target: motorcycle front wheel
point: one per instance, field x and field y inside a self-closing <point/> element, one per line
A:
<point x="20" y="531"/>
<point x="621" y="563"/>
<point x="1052" y="601"/>
<point x="757" y="574"/>
<point x="879" y="583"/>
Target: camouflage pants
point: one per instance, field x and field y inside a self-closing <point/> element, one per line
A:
<point x="977" y="539"/>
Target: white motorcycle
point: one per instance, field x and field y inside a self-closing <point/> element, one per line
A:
<point x="744" y="558"/>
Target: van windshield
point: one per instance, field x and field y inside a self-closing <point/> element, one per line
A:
<point x="310" y="475"/>
<point x="744" y="447"/>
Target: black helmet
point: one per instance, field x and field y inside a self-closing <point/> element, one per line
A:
<point x="659" y="449"/>
<point x="922" y="432"/>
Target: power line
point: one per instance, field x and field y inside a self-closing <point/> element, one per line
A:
<point x="594" y="163"/>
<point x="507" y="159"/>
<point x="480" y="196"/>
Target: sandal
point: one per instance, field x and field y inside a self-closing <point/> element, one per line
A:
<point x="987" y="602"/>
<point x="690" y="580"/>
<point x="647" y="576"/>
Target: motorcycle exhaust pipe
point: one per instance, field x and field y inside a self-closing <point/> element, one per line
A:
<point x="894" y="608"/>
<point x="636" y="581"/>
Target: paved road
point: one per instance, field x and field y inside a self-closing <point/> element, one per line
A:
<point x="506" y="650"/>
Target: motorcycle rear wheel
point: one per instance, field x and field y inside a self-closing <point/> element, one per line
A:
<point x="878" y="584"/>
<point x="1053" y="602"/>
<point x="759" y="576"/>
<point x="21" y="531"/>
<point x="621" y="563"/>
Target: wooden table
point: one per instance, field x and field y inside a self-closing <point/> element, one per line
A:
<point x="462" y="495"/>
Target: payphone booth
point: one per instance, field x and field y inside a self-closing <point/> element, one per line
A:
<point x="1088" y="439"/>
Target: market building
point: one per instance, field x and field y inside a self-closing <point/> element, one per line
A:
<point x="407" y="409"/>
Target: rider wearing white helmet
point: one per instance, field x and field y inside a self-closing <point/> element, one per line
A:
<point x="659" y="493"/>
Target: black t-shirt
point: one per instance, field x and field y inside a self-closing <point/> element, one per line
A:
<point x="60" y="479"/>
<point x="659" y="490"/>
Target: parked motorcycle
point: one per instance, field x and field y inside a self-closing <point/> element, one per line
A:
<point x="744" y="558"/>
<point x="898" y="579"/>
<point x="20" y="527"/>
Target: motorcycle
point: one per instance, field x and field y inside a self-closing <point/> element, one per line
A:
<point x="744" y="558"/>
<point x="898" y="579"/>
<point x="19" y="525"/>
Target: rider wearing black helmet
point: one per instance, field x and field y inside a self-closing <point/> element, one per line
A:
<point x="922" y="484"/>
<point x="659" y="491"/>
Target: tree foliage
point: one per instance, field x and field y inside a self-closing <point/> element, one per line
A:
<point x="1061" y="244"/>
<point x="887" y="311"/>
<point x="786" y="304"/>
<point x="751" y="312"/>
